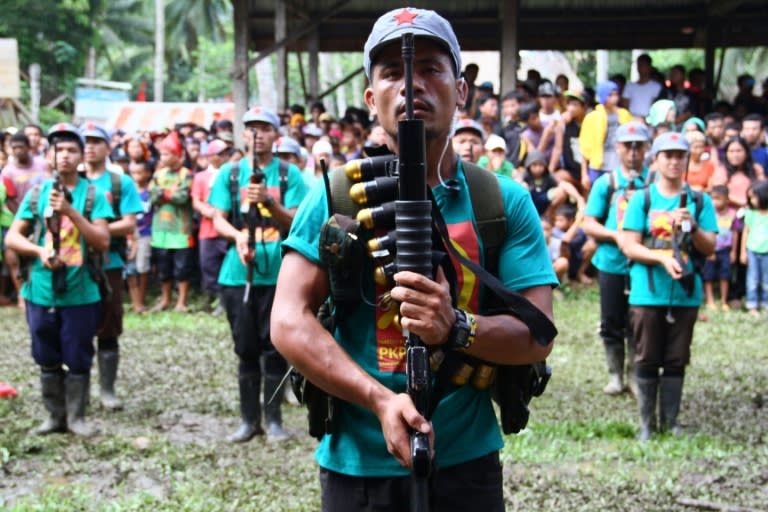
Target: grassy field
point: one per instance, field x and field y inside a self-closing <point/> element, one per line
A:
<point x="165" y="450"/>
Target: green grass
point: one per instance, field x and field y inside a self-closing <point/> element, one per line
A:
<point x="165" y="451"/>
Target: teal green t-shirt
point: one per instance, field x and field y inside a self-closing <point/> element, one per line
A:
<point x="757" y="236"/>
<point x="81" y="289"/>
<point x="608" y="257"/>
<point x="465" y="424"/>
<point x="130" y="203"/>
<point x="267" y="253"/>
<point x="658" y="222"/>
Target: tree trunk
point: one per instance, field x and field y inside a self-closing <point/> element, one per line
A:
<point x="240" y="66"/>
<point x="159" y="49"/>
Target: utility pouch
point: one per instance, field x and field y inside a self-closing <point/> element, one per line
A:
<point x="320" y="405"/>
<point x="513" y="389"/>
<point x="342" y="255"/>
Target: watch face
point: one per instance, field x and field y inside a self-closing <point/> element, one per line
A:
<point x="462" y="338"/>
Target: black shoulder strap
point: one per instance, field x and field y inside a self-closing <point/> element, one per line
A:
<point x="541" y="327"/>
<point x="283" y="170"/>
<point x="90" y="196"/>
<point x="611" y="192"/>
<point x="117" y="190"/>
<point x="646" y="200"/>
<point x="236" y="216"/>
<point x="488" y="207"/>
<point x="34" y="200"/>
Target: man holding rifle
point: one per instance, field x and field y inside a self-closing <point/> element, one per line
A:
<point x="365" y="459"/>
<point x="67" y="217"/>
<point x="255" y="201"/>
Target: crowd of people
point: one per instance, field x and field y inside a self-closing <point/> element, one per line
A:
<point x="643" y="186"/>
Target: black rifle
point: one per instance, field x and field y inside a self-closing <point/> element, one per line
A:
<point x="680" y="234"/>
<point x="252" y="220"/>
<point x="413" y="225"/>
<point x="53" y="225"/>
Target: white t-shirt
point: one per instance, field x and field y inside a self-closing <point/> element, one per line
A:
<point x="549" y="118"/>
<point x="641" y="96"/>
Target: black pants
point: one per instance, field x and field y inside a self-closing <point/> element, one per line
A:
<point x="614" y="309"/>
<point x="472" y="485"/>
<point x="249" y="324"/>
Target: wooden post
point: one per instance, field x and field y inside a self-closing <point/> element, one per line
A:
<point x="240" y="68"/>
<point x="282" y="62"/>
<point x="509" y="16"/>
<point x="314" y="82"/>
<point x="709" y="60"/>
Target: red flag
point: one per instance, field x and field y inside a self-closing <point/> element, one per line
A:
<point x="142" y="95"/>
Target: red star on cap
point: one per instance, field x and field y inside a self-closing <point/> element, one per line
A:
<point x="405" y="16"/>
<point x="632" y="129"/>
<point x="256" y="110"/>
<point x="674" y="137"/>
<point x="61" y="126"/>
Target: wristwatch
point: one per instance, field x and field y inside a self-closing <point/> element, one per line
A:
<point x="269" y="201"/>
<point x="463" y="332"/>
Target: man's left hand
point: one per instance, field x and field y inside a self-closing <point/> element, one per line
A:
<point x="425" y="306"/>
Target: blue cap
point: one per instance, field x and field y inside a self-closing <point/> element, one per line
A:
<point x="419" y="22"/>
<point x="469" y="124"/>
<point x="632" y="132"/>
<point x="95" y="131"/>
<point x="66" y="130"/>
<point x="604" y="89"/>
<point x="288" y="145"/>
<point x="261" y="115"/>
<point x="669" y="141"/>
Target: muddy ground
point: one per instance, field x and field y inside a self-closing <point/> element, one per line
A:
<point x="165" y="450"/>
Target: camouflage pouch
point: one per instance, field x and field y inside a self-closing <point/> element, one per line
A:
<point x="342" y="255"/>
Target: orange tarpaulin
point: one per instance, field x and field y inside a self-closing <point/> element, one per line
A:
<point x="137" y="116"/>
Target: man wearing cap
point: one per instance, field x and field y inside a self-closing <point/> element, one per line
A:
<point x="277" y="196"/>
<point x="468" y="140"/>
<point x="549" y="114"/>
<point x="597" y="139"/>
<point x="663" y="226"/>
<point x="603" y="220"/>
<point x="172" y="238"/>
<point x="363" y="365"/>
<point x="62" y="299"/>
<point x="126" y="203"/>
<point x="212" y="247"/>
<point x="289" y="150"/>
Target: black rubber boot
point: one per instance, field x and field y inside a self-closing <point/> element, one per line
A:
<point x="631" y="368"/>
<point x="250" y="409"/>
<point x="646" y="399"/>
<point x="108" y="363"/>
<point x="671" y="395"/>
<point x="614" y="355"/>
<point x="76" y="400"/>
<point x="52" y="387"/>
<point x="273" y="399"/>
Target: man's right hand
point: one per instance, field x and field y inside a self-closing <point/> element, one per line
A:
<point x="672" y="266"/>
<point x="398" y="416"/>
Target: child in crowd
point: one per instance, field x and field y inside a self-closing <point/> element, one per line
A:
<point x="139" y="261"/>
<point x="546" y="193"/>
<point x="172" y="237"/>
<point x="700" y="169"/>
<point x="754" y="247"/>
<point x="580" y="247"/>
<point x="495" y="157"/>
<point x="558" y="251"/>
<point x="718" y="266"/>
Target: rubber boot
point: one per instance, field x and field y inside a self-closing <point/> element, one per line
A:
<point x="646" y="399"/>
<point x="631" y="369"/>
<point x="52" y="387"/>
<point x="273" y="398"/>
<point x="671" y="394"/>
<point x="614" y="355"/>
<point x="108" y="363"/>
<point x="250" y="409"/>
<point x="76" y="400"/>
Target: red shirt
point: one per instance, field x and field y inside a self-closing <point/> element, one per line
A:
<point x="201" y="189"/>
